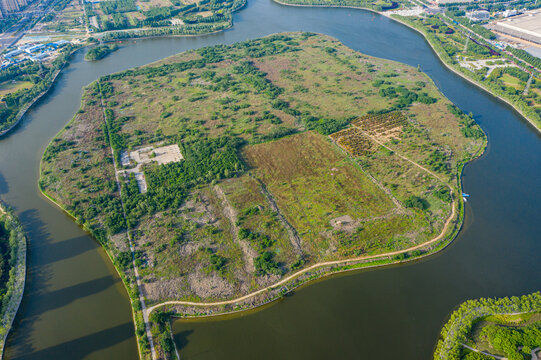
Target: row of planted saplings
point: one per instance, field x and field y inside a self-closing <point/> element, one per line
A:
<point x="353" y="141"/>
<point x="380" y="123"/>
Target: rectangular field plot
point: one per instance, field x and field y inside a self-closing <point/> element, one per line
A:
<point x="314" y="183"/>
<point x="353" y="141"/>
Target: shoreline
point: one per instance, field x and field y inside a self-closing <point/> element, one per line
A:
<point x="442" y="241"/>
<point x="305" y="276"/>
<point x="472" y="81"/>
<point x="12" y="308"/>
<point x="20" y="115"/>
<point x="389" y="16"/>
<point x="109" y="255"/>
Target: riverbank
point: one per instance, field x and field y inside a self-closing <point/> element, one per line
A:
<point x="137" y="315"/>
<point x="454" y="333"/>
<point x="17" y="274"/>
<point x="27" y="107"/>
<point x="420" y="31"/>
<point x="472" y="81"/>
<point x="447" y="211"/>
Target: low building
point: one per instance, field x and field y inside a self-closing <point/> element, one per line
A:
<point x="13" y="53"/>
<point x="39" y="57"/>
<point x="62" y="42"/>
<point x="509" y="13"/>
<point x="478" y="15"/>
<point x="35" y="48"/>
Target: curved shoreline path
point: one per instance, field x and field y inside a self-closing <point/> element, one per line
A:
<point x="436" y="239"/>
<point x="75" y="304"/>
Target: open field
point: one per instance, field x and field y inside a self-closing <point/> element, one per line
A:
<point x="263" y="189"/>
<point x="8" y="87"/>
<point x="336" y="204"/>
<point x="69" y="19"/>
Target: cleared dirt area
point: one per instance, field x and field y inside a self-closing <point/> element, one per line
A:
<point x="161" y="155"/>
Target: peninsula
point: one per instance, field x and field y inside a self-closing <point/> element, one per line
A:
<point x="221" y="178"/>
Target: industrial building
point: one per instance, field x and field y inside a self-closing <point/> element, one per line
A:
<point x="526" y="26"/>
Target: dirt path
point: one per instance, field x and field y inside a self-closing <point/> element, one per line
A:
<point x="248" y="253"/>
<point x="130" y="241"/>
<point x="330" y="263"/>
<point x="401" y="156"/>
<point x="315" y="266"/>
<point x="291" y="231"/>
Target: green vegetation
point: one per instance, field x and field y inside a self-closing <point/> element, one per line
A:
<point x="100" y="51"/>
<point x="509" y="327"/>
<point x="33" y="79"/>
<point x="139" y="18"/>
<point x="477" y="60"/>
<point x="12" y="269"/>
<point x="270" y="182"/>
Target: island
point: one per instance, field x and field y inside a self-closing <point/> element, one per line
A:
<point x="98" y="52"/>
<point x="222" y="178"/>
<point x="486" y="329"/>
<point x="12" y="270"/>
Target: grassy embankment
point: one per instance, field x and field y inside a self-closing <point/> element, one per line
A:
<point x="507" y="327"/>
<point x="12" y="270"/>
<point x="33" y="81"/>
<point x="263" y="191"/>
<point x="507" y="83"/>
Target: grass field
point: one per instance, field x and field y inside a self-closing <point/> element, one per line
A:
<point x="264" y="188"/>
<point x="512" y="81"/>
<point x="8" y="87"/>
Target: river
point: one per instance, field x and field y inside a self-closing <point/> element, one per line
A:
<point x="75" y="306"/>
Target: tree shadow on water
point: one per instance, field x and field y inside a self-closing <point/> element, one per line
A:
<point x="181" y="338"/>
<point x="4" y="186"/>
<point x="39" y="296"/>
<point x="81" y="347"/>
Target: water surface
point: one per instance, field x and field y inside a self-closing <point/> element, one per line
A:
<point x="76" y="307"/>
